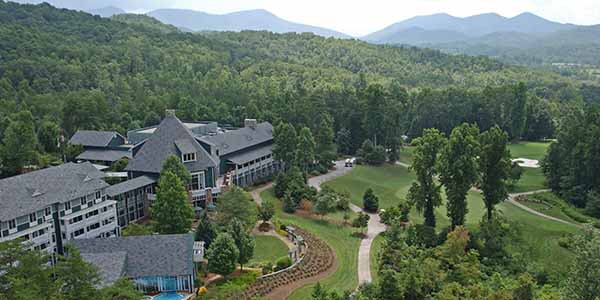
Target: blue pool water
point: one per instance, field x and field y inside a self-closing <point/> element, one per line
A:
<point x="169" y="296"/>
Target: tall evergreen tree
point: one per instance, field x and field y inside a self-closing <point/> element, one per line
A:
<point x="325" y="148"/>
<point x="172" y="210"/>
<point x="305" y="150"/>
<point x="459" y="170"/>
<point x="494" y="166"/>
<point x="205" y="231"/>
<point x="285" y="142"/>
<point x="425" y="193"/>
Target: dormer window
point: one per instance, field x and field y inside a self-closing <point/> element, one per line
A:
<point x="188" y="157"/>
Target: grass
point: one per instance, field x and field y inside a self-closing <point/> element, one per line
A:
<point x="407" y="154"/>
<point x="268" y="249"/>
<point x="539" y="235"/>
<point x="337" y="237"/>
<point x="531" y="150"/>
<point x="532" y="179"/>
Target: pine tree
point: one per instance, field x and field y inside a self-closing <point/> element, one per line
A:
<point x="325" y="148"/>
<point x="284" y="144"/>
<point x="305" y="151"/>
<point x="19" y="142"/>
<point x="172" y="210"/>
<point x="370" y="201"/>
<point x="173" y="164"/>
<point x="205" y="231"/>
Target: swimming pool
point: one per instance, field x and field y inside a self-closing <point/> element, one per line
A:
<point x="169" y="296"/>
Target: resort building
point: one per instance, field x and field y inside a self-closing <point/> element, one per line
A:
<point x="48" y="207"/>
<point x="214" y="156"/>
<point x="155" y="263"/>
<point x="101" y="147"/>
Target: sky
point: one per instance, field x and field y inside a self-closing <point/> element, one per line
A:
<point x="359" y="18"/>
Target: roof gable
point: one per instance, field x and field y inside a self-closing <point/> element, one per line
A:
<point x="164" y="142"/>
<point x="92" y="138"/>
<point x="30" y="192"/>
<point x="235" y="140"/>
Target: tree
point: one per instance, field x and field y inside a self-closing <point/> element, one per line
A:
<point x="343" y="140"/>
<point x="122" y="289"/>
<point x="494" y="166"/>
<point x="518" y="110"/>
<point x="19" y="142"/>
<point x="77" y="278"/>
<point x="361" y="221"/>
<point x="325" y="151"/>
<point x="592" y="206"/>
<point x="222" y="255"/>
<point x="205" y="231"/>
<point x="305" y="151"/>
<point x="319" y="293"/>
<point x="48" y="136"/>
<point x="133" y="229"/>
<point x="243" y="241"/>
<point x="515" y="173"/>
<point x="266" y="211"/>
<point x="389" y="286"/>
<point x="289" y="204"/>
<point x="582" y="282"/>
<point x="173" y="164"/>
<point x="458" y="170"/>
<point x="172" y="210"/>
<point x="425" y="193"/>
<point x="325" y="203"/>
<point x="285" y="142"/>
<point x="235" y="203"/>
<point x="370" y="201"/>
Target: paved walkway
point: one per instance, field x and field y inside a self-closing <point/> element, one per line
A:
<point x="512" y="200"/>
<point x="374" y="228"/>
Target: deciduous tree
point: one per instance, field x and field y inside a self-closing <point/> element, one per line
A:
<point x="494" y="166"/>
<point x="222" y="255"/>
<point x="172" y="210"/>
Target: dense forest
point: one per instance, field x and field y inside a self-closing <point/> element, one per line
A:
<point x="72" y="70"/>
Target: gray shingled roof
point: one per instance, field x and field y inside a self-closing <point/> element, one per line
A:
<point x="250" y="155"/>
<point x="92" y="138"/>
<point x="162" y="144"/>
<point x="104" y="155"/>
<point x="148" y="255"/>
<point x="23" y="194"/>
<point x="236" y="140"/>
<point x="129" y="185"/>
<point x="110" y="264"/>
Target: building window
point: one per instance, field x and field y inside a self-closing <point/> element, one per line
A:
<point x="83" y="200"/>
<point x="197" y="182"/>
<point x="48" y="211"/>
<point x="98" y="195"/>
<point x="32" y="218"/>
<point x="67" y="205"/>
<point x="12" y="224"/>
<point x="78" y="232"/>
<point x="187" y="157"/>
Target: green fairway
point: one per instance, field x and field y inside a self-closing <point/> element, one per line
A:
<point x="406" y="154"/>
<point x="389" y="182"/>
<point x="337" y="237"/>
<point x="531" y="150"/>
<point x="532" y="179"/>
<point x="540" y="236"/>
<point x="268" y="249"/>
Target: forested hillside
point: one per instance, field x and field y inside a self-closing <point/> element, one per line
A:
<point x="73" y="70"/>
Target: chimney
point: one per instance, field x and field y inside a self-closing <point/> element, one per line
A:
<point x="169" y="113"/>
<point x="250" y="123"/>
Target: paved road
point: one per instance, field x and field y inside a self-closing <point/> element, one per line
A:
<point x="374" y="228"/>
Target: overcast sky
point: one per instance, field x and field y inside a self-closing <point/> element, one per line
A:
<point x="361" y="17"/>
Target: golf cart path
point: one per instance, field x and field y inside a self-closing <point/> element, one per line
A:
<point x="374" y="228"/>
<point x="512" y="199"/>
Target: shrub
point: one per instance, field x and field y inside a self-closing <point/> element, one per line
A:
<point x="267" y="268"/>
<point x="306" y="205"/>
<point x="564" y="242"/>
<point x="282" y="263"/>
<point x="370" y="201"/>
<point x="315" y="173"/>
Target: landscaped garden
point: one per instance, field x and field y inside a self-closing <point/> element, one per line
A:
<point x="338" y="237"/>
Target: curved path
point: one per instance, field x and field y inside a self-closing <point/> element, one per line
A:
<point x="512" y="199"/>
<point x="374" y="228"/>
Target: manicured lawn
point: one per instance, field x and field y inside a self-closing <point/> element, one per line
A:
<point x="406" y="154"/>
<point x="268" y="249"/>
<point x="389" y="182"/>
<point x="337" y="237"/>
<point x="531" y="180"/>
<point x="546" y="209"/>
<point x="531" y="150"/>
